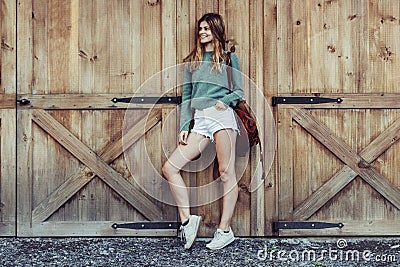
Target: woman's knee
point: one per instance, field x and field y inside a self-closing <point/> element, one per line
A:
<point x="168" y="170"/>
<point x="227" y="174"/>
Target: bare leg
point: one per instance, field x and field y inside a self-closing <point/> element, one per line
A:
<point x="179" y="158"/>
<point x="225" y="141"/>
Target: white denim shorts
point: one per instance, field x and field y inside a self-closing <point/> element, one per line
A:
<point x="210" y="120"/>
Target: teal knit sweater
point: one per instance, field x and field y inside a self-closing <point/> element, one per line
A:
<point x="203" y="87"/>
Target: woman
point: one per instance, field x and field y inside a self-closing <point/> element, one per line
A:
<point x="207" y="92"/>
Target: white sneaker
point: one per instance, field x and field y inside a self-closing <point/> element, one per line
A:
<point x="188" y="232"/>
<point x="221" y="239"/>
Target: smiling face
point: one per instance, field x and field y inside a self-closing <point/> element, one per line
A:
<point x="205" y="34"/>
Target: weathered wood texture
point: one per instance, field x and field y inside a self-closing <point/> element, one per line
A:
<point x="7" y="117"/>
<point x="341" y="163"/>
<point x="333" y="162"/>
<point x="74" y="57"/>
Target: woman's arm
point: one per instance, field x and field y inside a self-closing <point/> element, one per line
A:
<point x="186" y="110"/>
<point x="237" y="92"/>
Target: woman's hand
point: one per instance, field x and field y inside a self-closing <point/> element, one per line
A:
<point x="183" y="135"/>
<point x="220" y="105"/>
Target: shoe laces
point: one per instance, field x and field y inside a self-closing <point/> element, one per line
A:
<point x="217" y="235"/>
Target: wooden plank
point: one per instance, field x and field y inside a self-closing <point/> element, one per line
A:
<point x="86" y="76"/>
<point x="347" y="155"/>
<point x="24" y="76"/>
<point x="91" y="228"/>
<point x="86" y="206"/>
<point x="73" y="57"/>
<point x="351" y="228"/>
<point x="350" y="101"/>
<point x="269" y="68"/>
<point x="150" y="43"/>
<point x="7" y="101"/>
<point x="169" y="41"/>
<point x="169" y="87"/>
<point x="101" y="46"/>
<point x="7" y="228"/>
<point x="238" y="15"/>
<point x="135" y="22"/>
<point x="361" y="51"/>
<point x="285" y="167"/>
<point x="8" y="80"/>
<point x="58" y="41"/>
<point x="96" y="207"/>
<point x="284" y="46"/>
<point x="205" y="6"/>
<point x="121" y="73"/>
<point x="257" y="202"/>
<point x="284" y="75"/>
<point x="40" y="47"/>
<point x="323" y="38"/>
<point x="383" y="46"/>
<point x="8" y="48"/>
<point x="301" y="16"/>
<point x="24" y="48"/>
<point x="102" y="169"/>
<point x="184" y="30"/>
<point x="24" y="168"/>
<point x="81" y="101"/>
<point x="350" y="46"/>
<point x="346" y="174"/>
<point x="8" y="171"/>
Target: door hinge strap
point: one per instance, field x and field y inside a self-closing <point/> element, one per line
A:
<point x="305" y="225"/>
<point x="149" y="100"/>
<point x="311" y="100"/>
<point x="147" y="225"/>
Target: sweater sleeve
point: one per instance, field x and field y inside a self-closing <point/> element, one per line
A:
<point x="186" y="111"/>
<point x="237" y="92"/>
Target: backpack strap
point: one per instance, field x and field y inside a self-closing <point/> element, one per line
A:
<point x="229" y="69"/>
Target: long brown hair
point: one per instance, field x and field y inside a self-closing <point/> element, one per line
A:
<point x="217" y="28"/>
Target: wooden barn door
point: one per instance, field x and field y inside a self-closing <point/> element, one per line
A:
<point x="338" y="160"/>
<point x="73" y="58"/>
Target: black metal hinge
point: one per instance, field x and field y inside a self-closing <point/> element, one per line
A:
<point x="148" y="225"/>
<point x="305" y="225"/>
<point x="149" y="100"/>
<point x="280" y="100"/>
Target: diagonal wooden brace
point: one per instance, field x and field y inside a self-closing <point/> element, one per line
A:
<point x="98" y="166"/>
<point x="345" y="153"/>
<point x="343" y="177"/>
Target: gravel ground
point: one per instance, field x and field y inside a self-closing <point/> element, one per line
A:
<point x="169" y="252"/>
